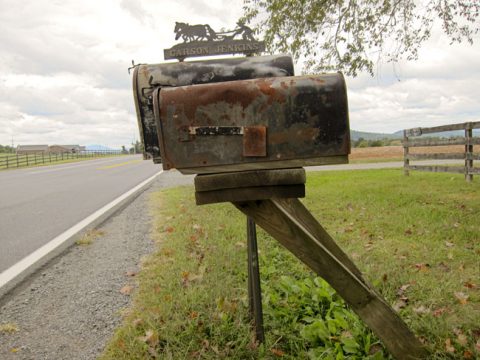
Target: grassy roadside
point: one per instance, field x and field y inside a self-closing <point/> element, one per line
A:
<point x="416" y="239"/>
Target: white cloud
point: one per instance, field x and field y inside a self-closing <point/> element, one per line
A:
<point x="442" y="87"/>
<point x="63" y="64"/>
<point x="63" y="71"/>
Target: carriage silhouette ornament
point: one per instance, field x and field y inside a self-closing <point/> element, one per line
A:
<point x="202" y="40"/>
<point x="204" y="32"/>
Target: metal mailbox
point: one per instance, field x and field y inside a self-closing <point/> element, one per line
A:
<point x="147" y="78"/>
<point x="265" y="123"/>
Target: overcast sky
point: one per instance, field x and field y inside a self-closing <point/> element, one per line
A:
<point x="63" y="71"/>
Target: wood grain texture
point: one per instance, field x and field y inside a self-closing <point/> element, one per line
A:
<point x="265" y="165"/>
<point x="437" y="156"/>
<point x="209" y="182"/>
<point x="433" y="142"/>
<point x="250" y="194"/>
<point x="406" y="150"/>
<point x="441" y="142"/>
<point x="436" y="129"/>
<point x="287" y="222"/>
<point x="468" y="155"/>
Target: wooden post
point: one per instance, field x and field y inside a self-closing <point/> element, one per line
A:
<point x="291" y="224"/>
<point x="406" y="160"/>
<point x="468" y="152"/>
<point x="254" y="289"/>
<point x="17" y="160"/>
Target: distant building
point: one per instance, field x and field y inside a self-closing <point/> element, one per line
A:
<point x="63" y="149"/>
<point x="32" y="149"/>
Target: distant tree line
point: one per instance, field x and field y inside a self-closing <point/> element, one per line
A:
<point x="7" y="149"/>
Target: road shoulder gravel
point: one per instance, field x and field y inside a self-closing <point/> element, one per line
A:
<point x="71" y="306"/>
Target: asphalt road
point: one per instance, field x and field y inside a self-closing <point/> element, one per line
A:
<point x="37" y="204"/>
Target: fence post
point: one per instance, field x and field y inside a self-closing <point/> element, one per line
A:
<point x="406" y="160"/>
<point x="7" y="161"/>
<point x="17" y="160"/>
<point x="468" y="152"/>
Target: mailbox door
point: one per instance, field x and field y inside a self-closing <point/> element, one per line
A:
<point x="267" y="123"/>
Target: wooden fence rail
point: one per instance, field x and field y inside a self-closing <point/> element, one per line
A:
<point x="15" y="160"/>
<point x="468" y="155"/>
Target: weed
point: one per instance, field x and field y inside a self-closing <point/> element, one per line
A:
<point x="89" y="237"/>
<point x="8" y="328"/>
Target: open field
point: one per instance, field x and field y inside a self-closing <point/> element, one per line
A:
<point x="395" y="153"/>
<point x="416" y="239"/>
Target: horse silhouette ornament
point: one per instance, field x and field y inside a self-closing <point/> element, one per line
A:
<point x="202" y="40"/>
<point x="194" y="32"/>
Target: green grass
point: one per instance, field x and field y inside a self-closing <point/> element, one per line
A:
<point x="416" y="239"/>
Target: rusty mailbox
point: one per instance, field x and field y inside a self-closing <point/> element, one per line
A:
<point x="263" y="117"/>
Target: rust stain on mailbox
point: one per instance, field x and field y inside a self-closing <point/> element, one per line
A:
<point x="255" y="141"/>
<point x="277" y="122"/>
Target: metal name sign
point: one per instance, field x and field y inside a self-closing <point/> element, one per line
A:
<point x="202" y="40"/>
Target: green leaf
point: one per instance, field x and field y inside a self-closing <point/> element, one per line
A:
<point x="316" y="331"/>
<point x="350" y="345"/>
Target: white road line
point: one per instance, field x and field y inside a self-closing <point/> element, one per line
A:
<point x="15" y="270"/>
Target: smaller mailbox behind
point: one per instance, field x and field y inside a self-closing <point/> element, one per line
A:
<point x="267" y="123"/>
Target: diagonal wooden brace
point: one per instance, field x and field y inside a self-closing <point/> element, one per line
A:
<point x="291" y="224"/>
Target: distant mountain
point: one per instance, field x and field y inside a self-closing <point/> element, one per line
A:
<point x="355" y="135"/>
